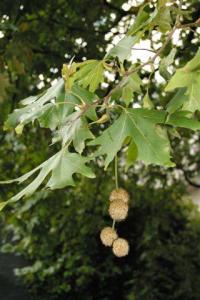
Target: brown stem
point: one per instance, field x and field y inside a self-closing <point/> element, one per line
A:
<point x="188" y="25"/>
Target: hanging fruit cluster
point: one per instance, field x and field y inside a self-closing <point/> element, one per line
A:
<point x="118" y="211"/>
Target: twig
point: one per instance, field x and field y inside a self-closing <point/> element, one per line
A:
<point x="151" y="61"/>
<point x="193" y="24"/>
<point x="143" y="49"/>
<point x="113" y="224"/>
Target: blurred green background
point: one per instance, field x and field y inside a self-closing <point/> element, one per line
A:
<point x="58" y="232"/>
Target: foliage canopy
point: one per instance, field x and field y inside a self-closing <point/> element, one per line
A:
<point x="76" y="106"/>
<point x="58" y="232"/>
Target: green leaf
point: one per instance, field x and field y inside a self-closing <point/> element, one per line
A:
<point x="193" y="96"/>
<point x="35" y="107"/>
<point x="130" y="85"/>
<point x="177" y="101"/>
<point x="160" y="17"/>
<point x="88" y="98"/>
<point x="194" y="63"/>
<point x="81" y="136"/>
<point x="131" y="156"/>
<point x="188" y="77"/>
<point x="163" y="19"/>
<point x="90" y="75"/>
<point x="60" y="167"/>
<point x="183" y="119"/>
<point x="75" y="129"/>
<point x="180" y="79"/>
<point x="140" y="22"/>
<point x="45" y="168"/>
<point x="67" y="131"/>
<point x="56" y="114"/>
<point x="165" y="63"/>
<point x="127" y="95"/>
<point x="123" y="49"/>
<point x="191" y="81"/>
<point x="69" y="163"/>
<point x="139" y="124"/>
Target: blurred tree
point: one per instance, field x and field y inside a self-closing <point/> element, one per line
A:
<point x="61" y="239"/>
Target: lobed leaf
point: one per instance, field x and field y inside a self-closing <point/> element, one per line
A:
<point x="123" y="49"/>
<point x="35" y="107"/>
<point x="165" y="63"/>
<point x="139" y="124"/>
<point x="130" y="85"/>
<point x="75" y="129"/>
<point x="90" y="75"/>
<point x="142" y="126"/>
<point x="60" y="167"/>
<point x="187" y="77"/>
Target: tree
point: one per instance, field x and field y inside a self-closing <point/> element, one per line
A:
<point x="77" y="102"/>
<point x="184" y="53"/>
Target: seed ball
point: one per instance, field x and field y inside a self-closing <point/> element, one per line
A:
<point x="120" y="247"/>
<point x="118" y="210"/>
<point x="119" y="194"/>
<point x="108" y="235"/>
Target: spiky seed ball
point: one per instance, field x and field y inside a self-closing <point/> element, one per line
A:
<point x="120" y="247"/>
<point x="108" y="235"/>
<point x="121" y="194"/>
<point x="118" y="210"/>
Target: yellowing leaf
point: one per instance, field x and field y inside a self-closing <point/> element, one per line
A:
<point x="67" y="74"/>
<point x="19" y="129"/>
<point x="147" y="103"/>
<point x="163" y="19"/>
<point x="104" y="118"/>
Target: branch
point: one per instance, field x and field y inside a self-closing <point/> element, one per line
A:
<point x="188" y="25"/>
<point x="143" y="49"/>
<point x="168" y="39"/>
<point x="190" y="181"/>
<point x="180" y="167"/>
<point x="151" y="61"/>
